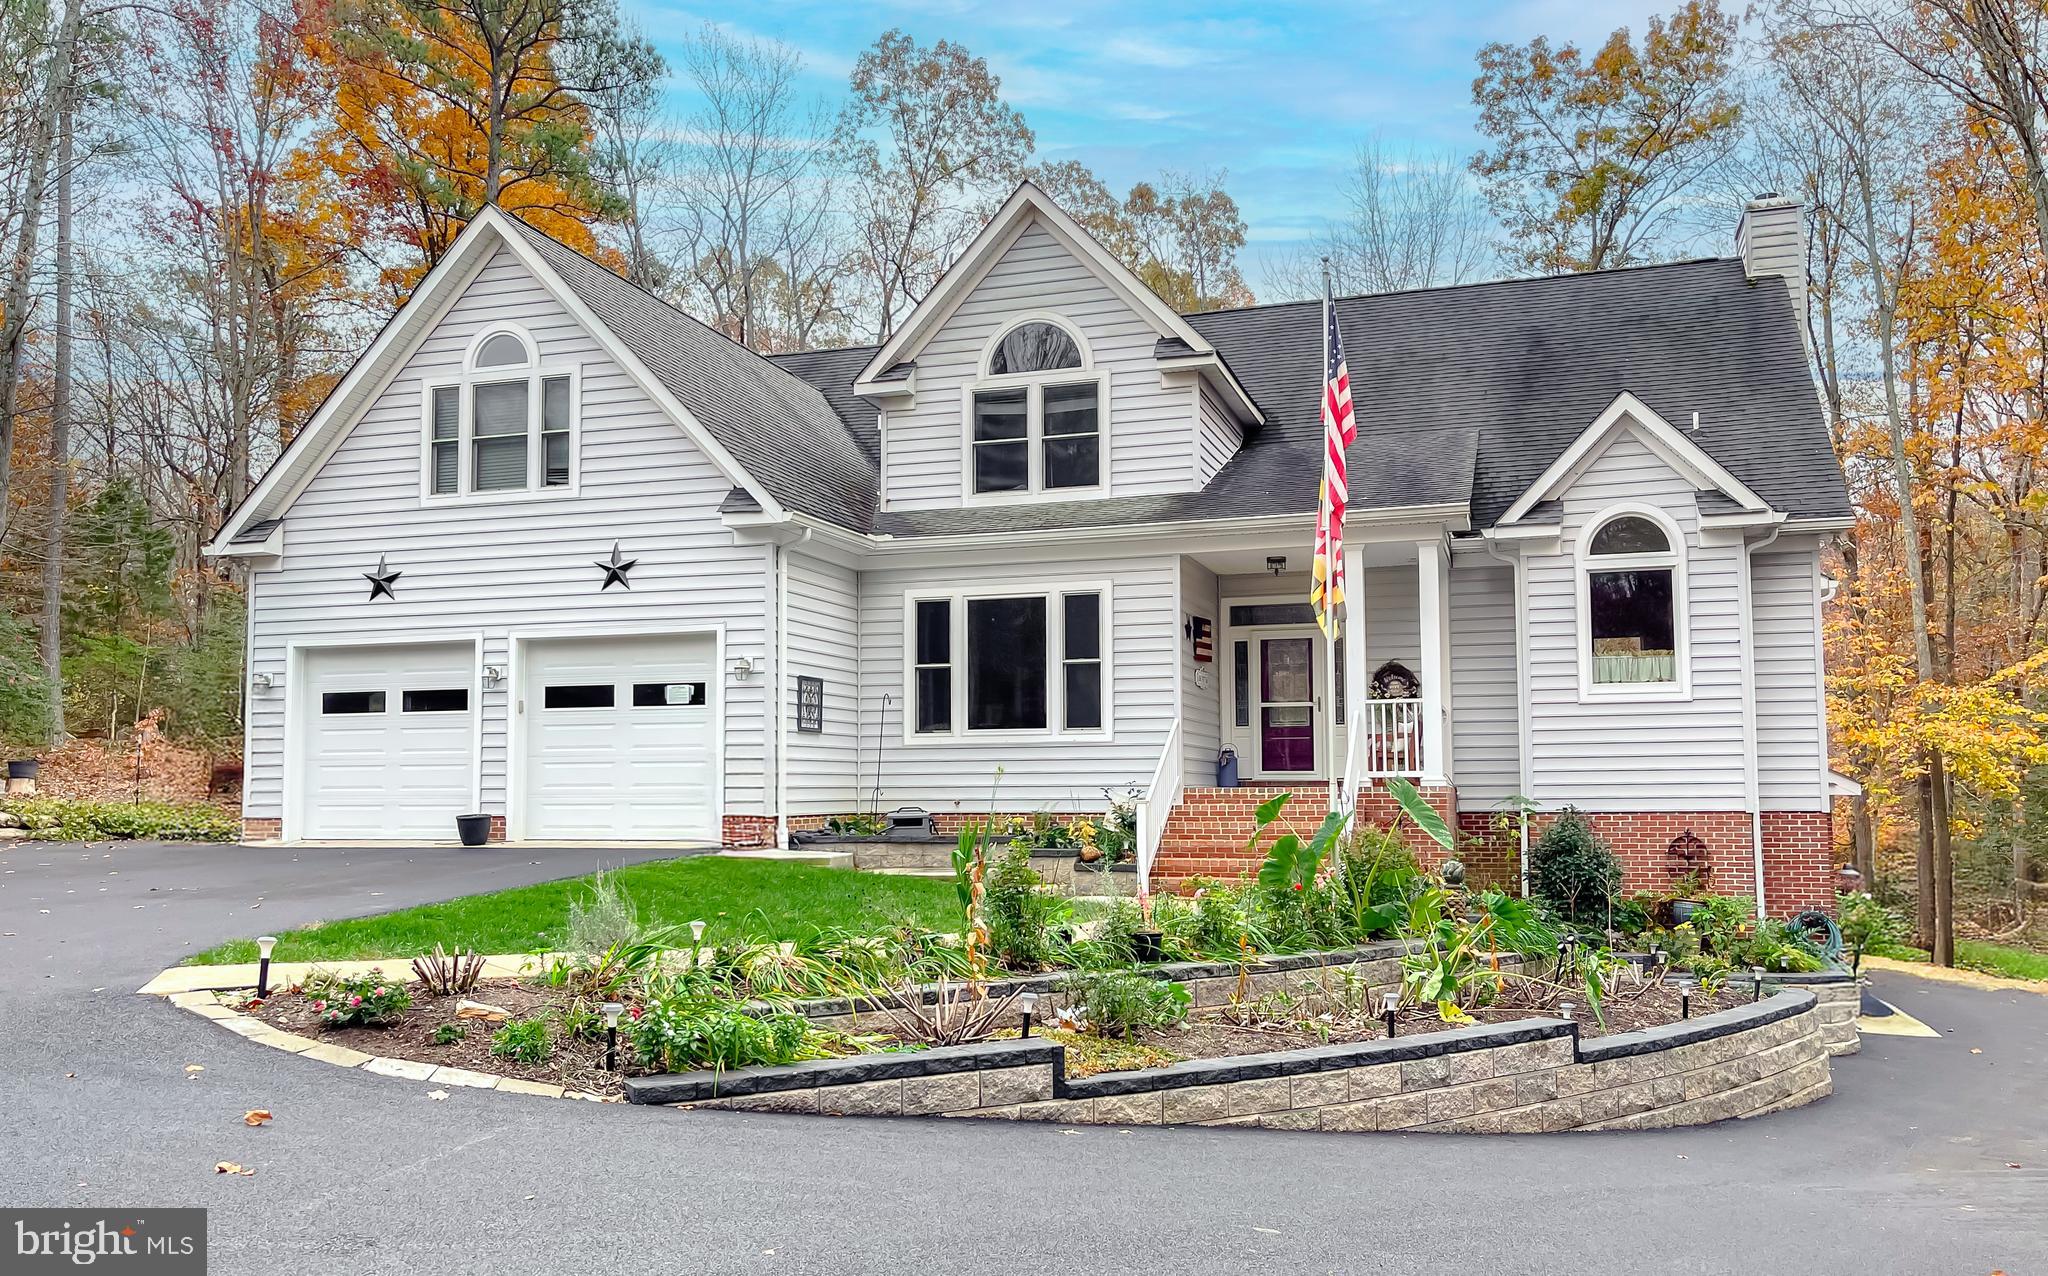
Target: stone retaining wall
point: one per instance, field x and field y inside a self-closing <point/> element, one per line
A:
<point x="1524" y="1077"/>
<point x="1840" y="998"/>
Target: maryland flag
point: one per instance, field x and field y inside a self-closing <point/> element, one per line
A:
<point x="1326" y="591"/>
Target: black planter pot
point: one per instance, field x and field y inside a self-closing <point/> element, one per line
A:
<point x="474" y="830"/>
<point x="1145" y="945"/>
<point x="23" y="769"/>
<point x="1682" y="910"/>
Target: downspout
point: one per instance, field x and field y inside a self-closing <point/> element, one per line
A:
<point x="1516" y="567"/>
<point x="782" y="682"/>
<point x="1753" y="788"/>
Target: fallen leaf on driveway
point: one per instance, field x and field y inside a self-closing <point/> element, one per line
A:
<point x="1975" y="1050"/>
<point x="255" y="1116"/>
<point x="437" y="1094"/>
<point x="2012" y="1165"/>
<point x="229" y="1167"/>
<point x="195" y="1067"/>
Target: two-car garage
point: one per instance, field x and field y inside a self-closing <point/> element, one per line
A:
<point x="602" y="739"/>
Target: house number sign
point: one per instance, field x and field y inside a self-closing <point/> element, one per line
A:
<point x="810" y="703"/>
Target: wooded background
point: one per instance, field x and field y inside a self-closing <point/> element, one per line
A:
<point x="211" y="205"/>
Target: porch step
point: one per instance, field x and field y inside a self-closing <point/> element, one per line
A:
<point x="1208" y="833"/>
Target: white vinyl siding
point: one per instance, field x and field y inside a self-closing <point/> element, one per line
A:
<point x="1790" y="739"/>
<point x="1148" y="430"/>
<point x="1619" y="753"/>
<point x="957" y="773"/>
<point x="1485" y="727"/>
<point x="1201" y="723"/>
<point x="823" y="642"/>
<point x="1217" y="436"/>
<point x="509" y="566"/>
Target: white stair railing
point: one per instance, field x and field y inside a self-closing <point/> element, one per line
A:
<point x="1161" y="796"/>
<point x="1388" y="740"/>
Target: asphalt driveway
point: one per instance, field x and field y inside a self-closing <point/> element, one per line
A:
<point x="1932" y="1156"/>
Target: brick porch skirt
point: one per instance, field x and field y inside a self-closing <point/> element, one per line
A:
<point x="1798" y="852"/>
<point x="1208" y="833"/>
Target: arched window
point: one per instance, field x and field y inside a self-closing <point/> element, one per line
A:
<point x="505" y="426"/>
<point x="1632" y="604"/>
<point x="1036" y="418"/>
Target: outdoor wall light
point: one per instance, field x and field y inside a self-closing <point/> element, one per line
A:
<point x="612" y="1011"/>
<point x="1029" y="1002"/>
<point x="1276" y="563"/>
<point x="263" y="680"/>
<point x="264" y="946"/>
<point x="1390" y="1003"/>
<point x="744" y="667"/>
<point x="493" y="675"/>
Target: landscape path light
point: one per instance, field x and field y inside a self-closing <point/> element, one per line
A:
<point x="265" y="945"/>
<point x="696" y="943"/>
<point x="1756" y="987"/>
<point x="612" y="1011"/>
<point x="1390" y="1003"/>
<point x="1029" y="1002"/>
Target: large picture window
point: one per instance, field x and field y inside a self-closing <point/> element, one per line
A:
<point x="1035" y="421"/>
<point x="1022" y="661"/>
<point x="1632" y="591"/>
<point x="507" y="426"/>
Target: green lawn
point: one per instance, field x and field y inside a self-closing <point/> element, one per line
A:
<point x="1992" y="959"/>
<point x="736" y="897"/>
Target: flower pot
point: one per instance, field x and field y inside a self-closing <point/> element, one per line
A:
<point x="1145" y="945"/>
<point x="1089" y="854"/>
<point x="474" y="830"/>
<point x="23" y="769"/>
<point x="1682" y="910"/>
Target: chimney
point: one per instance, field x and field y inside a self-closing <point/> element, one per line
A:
<point x="1771" y="237"/>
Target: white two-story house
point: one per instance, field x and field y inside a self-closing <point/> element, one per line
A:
<point x="556" y="553"/>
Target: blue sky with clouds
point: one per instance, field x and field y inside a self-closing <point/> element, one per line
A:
<point x="1278" y="94"/>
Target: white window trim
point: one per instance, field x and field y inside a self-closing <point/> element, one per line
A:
<point x="1055" y="661"/>
<point x="1034" y="384"/>
<point x="1585" y="563"/>
<point x="534" y="373"/>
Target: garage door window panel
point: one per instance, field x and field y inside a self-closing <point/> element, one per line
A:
<point x="347" y="702"/>
<point x="435" y="700"/>
<point x="592" y="695"/>
<point x="507" y="427"/>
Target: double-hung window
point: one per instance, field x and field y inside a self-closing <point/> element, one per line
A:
<point x="507" y="426"/>
<point x="1035" y="418"/>
<point x="1632" y="607"/>
<point x="1034" y="660"/>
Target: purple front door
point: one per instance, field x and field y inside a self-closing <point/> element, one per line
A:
<point x="1287" y="719"/>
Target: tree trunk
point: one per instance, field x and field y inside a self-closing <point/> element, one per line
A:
<point x="14" y="307"/>
<point x="1943" y="949"/>
<point x="60" y="437"/>
<point x="1863" y="840"/>
<point x="1923" y="864"/>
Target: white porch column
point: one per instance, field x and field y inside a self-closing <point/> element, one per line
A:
<point x="1356" y="674"/>
<point x="1433" y="597"/>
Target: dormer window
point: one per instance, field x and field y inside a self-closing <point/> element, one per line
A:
<point x="1034" y="421"/>
<point x="506" y="427"/>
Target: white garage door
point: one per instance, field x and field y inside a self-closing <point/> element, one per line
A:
<point x="620" y="739"/>
<point x="390" y="741"/>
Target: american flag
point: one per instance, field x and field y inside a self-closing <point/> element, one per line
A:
<point x="1326" y="590"/>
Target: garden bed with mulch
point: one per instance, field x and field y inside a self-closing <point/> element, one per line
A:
<point x="577" y="1062"/>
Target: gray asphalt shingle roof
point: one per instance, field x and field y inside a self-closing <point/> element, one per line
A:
<point x="780" y="428"/>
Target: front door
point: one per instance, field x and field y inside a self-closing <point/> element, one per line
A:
<point x="1289" y="704"/>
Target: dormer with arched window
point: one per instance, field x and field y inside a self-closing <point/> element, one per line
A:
<point x="505" y="429"/>
<point x="1036" y="415"/>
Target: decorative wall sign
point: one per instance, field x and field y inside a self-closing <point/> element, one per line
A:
<point x="810" y="704"/>
<point x="615" y="569"/>
<point x="1201" y="634"/>
<point x="381" y="581"/>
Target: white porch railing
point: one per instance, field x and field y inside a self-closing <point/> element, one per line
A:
<point x="1386" y="740"/>
<point x="1161" y="796"/>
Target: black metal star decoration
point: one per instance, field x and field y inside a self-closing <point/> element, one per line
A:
<point x="615" y="569"/>
<point x="381" y="581"/>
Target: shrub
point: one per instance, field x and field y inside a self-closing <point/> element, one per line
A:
<point x="1866" y="924"/>
<point x="677" y="1035"/>
<point x="1023" y="919"/>
<point x="1114" y="943"/>
<point x="603" y="919"/>
<point x="448" y="1034"/>
<point x="24" y="688"/>
<point x="357" y="1001"/>
<point x="68" y="820"/>
<point x="1117" y="1002"/>
<point x="523" y="1041"/>
<point x="1572" y="867"/>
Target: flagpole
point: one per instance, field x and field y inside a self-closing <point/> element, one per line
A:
<point x="1338" y="798"/>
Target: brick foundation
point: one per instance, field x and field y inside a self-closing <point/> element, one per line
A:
<point x="1208" y="833"/>
<point x="262" y="830"/>
<point x="1798" y="852"/>
<point x="748" y="832"/>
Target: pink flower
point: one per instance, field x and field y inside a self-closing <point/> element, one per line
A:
<point x="319" y="1005"/>
<point x="378" y="991"/>
<point x="356" y="1000"/>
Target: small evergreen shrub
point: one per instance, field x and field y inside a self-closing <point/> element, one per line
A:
<point x="1573" y="868"/>
<point x="523" y="1041"/>
<point x="73" y="820"/>
<point x="1117" y="1002"/>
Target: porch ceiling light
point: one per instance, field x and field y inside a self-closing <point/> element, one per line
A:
<point x="1276" y="563"/>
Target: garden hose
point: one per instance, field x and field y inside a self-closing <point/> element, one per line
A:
<point x="1813" y="920"/>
